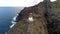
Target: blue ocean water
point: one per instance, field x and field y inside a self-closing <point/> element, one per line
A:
<point x="6" y="16"/>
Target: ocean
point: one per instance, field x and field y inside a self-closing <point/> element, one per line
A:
<point x="7" y="16"/>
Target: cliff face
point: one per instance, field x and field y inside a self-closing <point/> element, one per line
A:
<point x="53" y="17"/>
<point x="46" y="19"/>
<point x="37" y="26"/>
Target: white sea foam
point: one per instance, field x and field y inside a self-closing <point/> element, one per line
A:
<point x="12" y="25"/>
<point x="13" y="21"/>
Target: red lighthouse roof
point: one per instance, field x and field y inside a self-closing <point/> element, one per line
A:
<point x="30" y="13"/>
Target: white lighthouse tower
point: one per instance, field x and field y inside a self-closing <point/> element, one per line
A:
<point x="30" y="18"/>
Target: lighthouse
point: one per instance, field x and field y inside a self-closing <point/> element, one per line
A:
<point x="30" y="18"/>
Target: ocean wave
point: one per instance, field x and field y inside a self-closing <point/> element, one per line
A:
<point x="13" y="21"/>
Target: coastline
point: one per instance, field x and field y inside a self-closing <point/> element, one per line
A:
<point x="13" y="21"/>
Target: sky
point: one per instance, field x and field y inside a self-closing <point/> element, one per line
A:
<point x="20" y="3"/>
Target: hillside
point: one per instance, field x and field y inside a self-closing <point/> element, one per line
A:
<point x="46" y="19"/>
<point x="37" y="26"/>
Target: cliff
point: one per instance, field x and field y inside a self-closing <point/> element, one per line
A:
<point x="46" y="17"/>
<point x="37" y="26"/>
